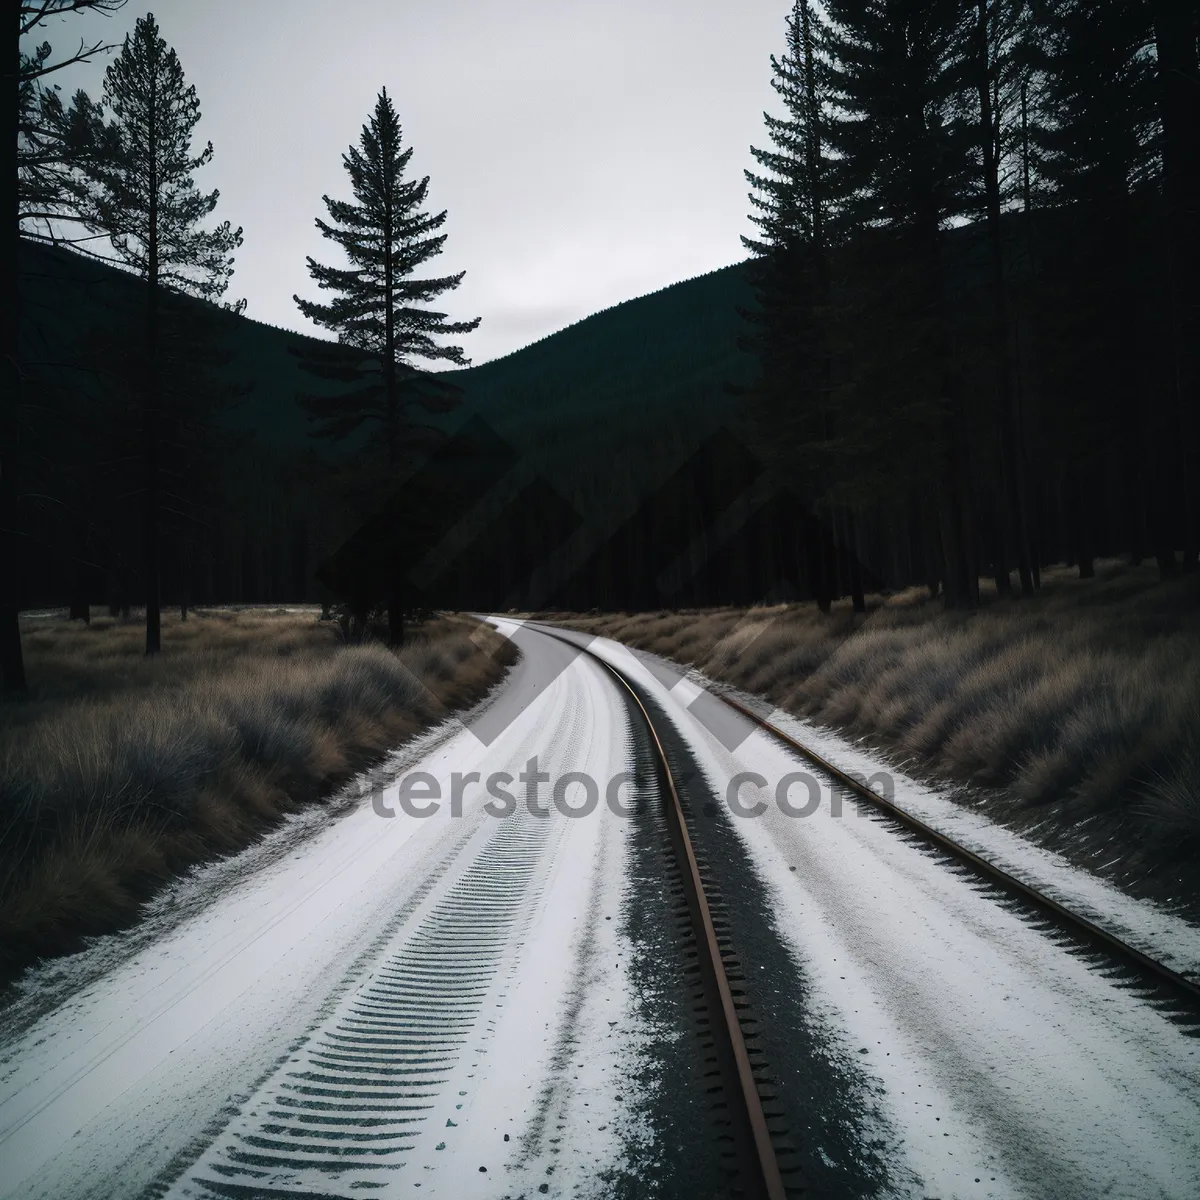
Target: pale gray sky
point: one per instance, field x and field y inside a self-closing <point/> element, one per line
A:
<point x="586" y="153"/>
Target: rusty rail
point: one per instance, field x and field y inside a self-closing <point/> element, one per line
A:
<point x="769" y="1183"/>
<point x="1076" y="923"/>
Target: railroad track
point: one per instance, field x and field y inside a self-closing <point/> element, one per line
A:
<point x="1074" y="923"/>
<point x="756" y="1168"/>
<point x="345" y="1103"/>
<point x="762" y="1169"/>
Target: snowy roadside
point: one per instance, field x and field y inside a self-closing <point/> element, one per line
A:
<point x="1144" y="924"/>
<point x="1148" y="926"/>
<point x="1008" y="1064"/>
<point x="155" y="1056"/>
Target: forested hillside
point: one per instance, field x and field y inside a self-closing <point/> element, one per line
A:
<point x="598" y="418"/>
<point x="658" y="355"/>
<point x="613" y="398"/>
<point x="964" y="346"/>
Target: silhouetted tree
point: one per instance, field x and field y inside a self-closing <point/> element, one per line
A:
<point x="1096" y="133"/>
<point x="993" y="59"/>
<point x="379" y="311"/>
<point x="22" y="90"/>
<point x="46" y="144"/>
<point x="902" y="151"/>
<point x="790" y="272"/>
<point x="1177" y="59"/>
<point x="142" y="193"/>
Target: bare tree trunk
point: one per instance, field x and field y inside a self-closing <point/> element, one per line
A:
<point x="819" y="557"/>
<point x="185" y="578"/>
<point x="1083" y="527"/>
<point x="395" y="610"/>
<point x="1036" y="534"/>
<point x="1015" y="521"/>
<point x="80" y="609"/>
<point x="858" y="600"/>
<point x="12" y="661"/>
<point x="153" y="609"/>
<point x="999" y="556"/>
<point x="956" y="519"/>
<point x="952" y="582"/>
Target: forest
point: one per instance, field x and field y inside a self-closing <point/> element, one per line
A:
<point x="962" y="346"/>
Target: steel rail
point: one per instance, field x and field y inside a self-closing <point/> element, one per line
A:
<point x="1072" y="920"/>
<point x="764" y="1150"/>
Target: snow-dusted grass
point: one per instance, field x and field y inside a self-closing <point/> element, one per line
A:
<point x="123" y="771"/>
<point x="1078" y="710"/>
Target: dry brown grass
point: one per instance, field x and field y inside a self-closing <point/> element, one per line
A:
<point x="1077" y="711"/>
<point x="121" y="771"/>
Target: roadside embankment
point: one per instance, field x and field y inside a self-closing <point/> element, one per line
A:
<point x="121" y="771"/>
<point x="1072" y="717"/>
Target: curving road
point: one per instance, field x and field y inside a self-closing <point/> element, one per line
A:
<point x="486" y="1003"/>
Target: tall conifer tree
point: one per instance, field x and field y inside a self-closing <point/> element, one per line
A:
<point x="23" y="86"/>
<point x="1177" y="54"/>
<point x="1097" y="136"/>
<point x="902" y="153"/>
<point x="379" y="310"/>
<point x="790" y="271"/>
<point x="143" y="195"/>
<point x="994" y="58"/>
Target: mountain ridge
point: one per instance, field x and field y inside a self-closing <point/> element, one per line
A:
<point x="658" y="354"/>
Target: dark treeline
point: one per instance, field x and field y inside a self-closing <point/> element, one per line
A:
<point x="973" y="324"/>
<point x="971" y="332"/>
<point x="126" y="415"/>
<point x="138" y="465"/>
<point x="130" y="484"/>
<point x="977" y="318"/>
<point x="241" y="520"/>
<point x="32" y="186"/>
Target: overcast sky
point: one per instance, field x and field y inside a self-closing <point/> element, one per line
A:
<point x="586" y="152"/>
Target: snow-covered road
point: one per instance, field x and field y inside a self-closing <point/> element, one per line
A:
<point x="465" y="1001"/>
<point x="467" y="947"/>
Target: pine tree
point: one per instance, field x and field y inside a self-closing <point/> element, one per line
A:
<point x="46" y="143"/>
<point x="1177" y="60"/>
<point x="23" y="90"/>
<point x="378" y="311"/>
<point x="901" y="158"/>
<point x="142" y="193"/>
<point x="790" y="272"/>
<point x="790" y="200"/>
<point x="993" y="60"/>
<point x="53" y="144"/>
<point x="1096" y="136"/>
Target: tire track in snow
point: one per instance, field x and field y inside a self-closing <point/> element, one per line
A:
<point x="348" y="1107"/>
<point x="366" y="1093"/>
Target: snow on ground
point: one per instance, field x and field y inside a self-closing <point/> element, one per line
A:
<point x="1012" y="1068"/>
<point x="168" y="1064"/>
<point x="1140" y="923"/>
<point x="231" y="1041"/>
